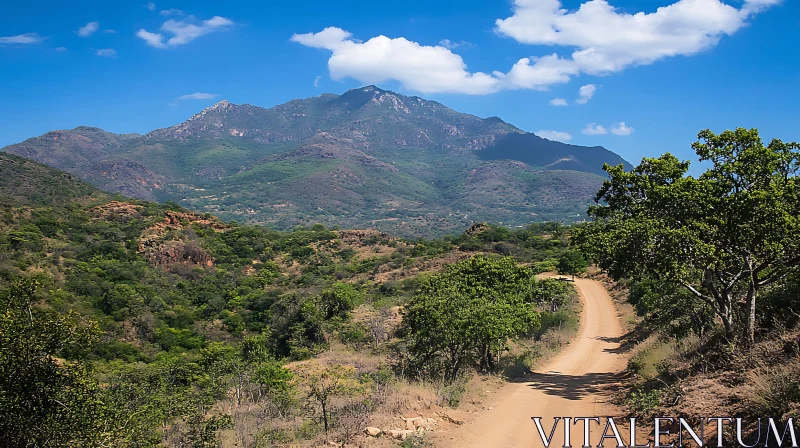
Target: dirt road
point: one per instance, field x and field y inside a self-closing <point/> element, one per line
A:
<point x="571" y="385"/>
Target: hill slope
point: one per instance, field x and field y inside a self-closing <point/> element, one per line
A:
<point x="27" y="183"/>
<point x="185" y="308"/>
<point x="366" y="158"/>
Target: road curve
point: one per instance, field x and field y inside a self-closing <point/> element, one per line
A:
<point x="571" y="385"/>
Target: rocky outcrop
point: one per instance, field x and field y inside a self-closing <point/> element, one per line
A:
<point x="168" y="253"/>
<point x="476" y="229"/>
<point x="116" y="211"/>
<point x="413" y="425"/>
<point x="420" y="423"/>
<point x="373" y="431"/>
<point x="359" y="236"/>
<point x="184" y="220"/>
<point x="171" y="241"/>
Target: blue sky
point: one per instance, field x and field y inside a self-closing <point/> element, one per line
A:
<point x="657" y="77"/>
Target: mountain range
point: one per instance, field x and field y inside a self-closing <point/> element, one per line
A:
<point x="366" y="158"/>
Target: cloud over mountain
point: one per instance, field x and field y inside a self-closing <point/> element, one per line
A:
<point x="607" y="42"/>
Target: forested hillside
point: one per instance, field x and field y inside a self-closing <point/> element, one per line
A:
<point x="368" y="158"/>
<point x="129" y="323"/>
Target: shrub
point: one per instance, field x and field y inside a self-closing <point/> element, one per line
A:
<point x="416" y="441"/>
<point x="452" y="394"/>
<point x="642" y="403"/>
<point x="356" y="335"/>
<point x="340" y="299"/>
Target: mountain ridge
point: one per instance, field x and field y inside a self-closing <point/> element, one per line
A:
<point x="367" y="158"/>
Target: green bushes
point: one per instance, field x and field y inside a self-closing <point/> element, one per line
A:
<point x="339" y="299"/>
<point x="415" y="441"/>
<point x="171" y="338"/>
<point x="670" y="309"/>
<point x="45" y="402"/>
<point x="642" y="403"/>
<point x="465" y="315"/>
<point x="451" y="394"/>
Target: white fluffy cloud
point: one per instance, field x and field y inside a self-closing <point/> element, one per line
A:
<point x="183" y="31"/>
<point x="608" y="41"/>
<point x="594" y="129"/>
<point x="151" y="6"/>
<point x="621" y="129"/>
<point x="152" y="39"/>
<point x="422" y="68"/>
<point x="88" y="29"/>
<point x="555" y="135"/>
<point x="604" y="40"/>
<point x="427" y="69"/>
<point x="21" y="39"/>
<point x="107" y="52"/>
<point x="585" y="93"/>
<point x="558" y="102"/>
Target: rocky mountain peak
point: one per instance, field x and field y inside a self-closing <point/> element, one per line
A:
<point x="373" y="96"/>
<point x="222" y="106"/>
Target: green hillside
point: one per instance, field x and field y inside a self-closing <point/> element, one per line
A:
<point x="28" y="183"/>
<point x="129" y="323"/>
<point x="367" y="158"/>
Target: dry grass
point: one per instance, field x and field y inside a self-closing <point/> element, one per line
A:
<point x="257" y="425"/>
<point x="774" y="390"/>
<point x="649" y="357"/>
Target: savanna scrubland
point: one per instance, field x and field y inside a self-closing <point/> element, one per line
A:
<point x="130" y="323"/>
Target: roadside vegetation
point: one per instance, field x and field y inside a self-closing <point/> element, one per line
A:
<point x="710" y="263"/>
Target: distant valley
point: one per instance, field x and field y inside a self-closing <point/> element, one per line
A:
<point x="368" y="158"/>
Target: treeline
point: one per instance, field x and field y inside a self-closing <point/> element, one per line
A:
<point x="711" y="263"/>
<point x="724" y="238"/>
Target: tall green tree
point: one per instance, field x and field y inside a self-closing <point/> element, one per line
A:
<point x="572" y="262"/>
<point x="467" y="313"/>
<point x="723" y="236"/>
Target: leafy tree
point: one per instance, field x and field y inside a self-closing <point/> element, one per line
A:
<point x="670" y="308"/>
<point x="723" y="236"/>
<point x="571" y="263"/>
<point x="467" y="313"/>
<point x="45" y="399"/>
<point x="321" y="383"/>
<point x="276" y="383"/>
<point x="549" y="292"/>
<point x="339" y="299"/>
